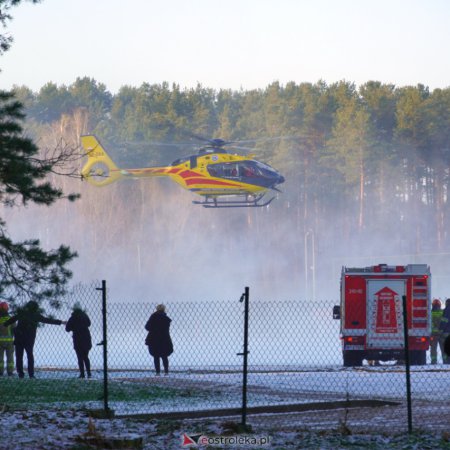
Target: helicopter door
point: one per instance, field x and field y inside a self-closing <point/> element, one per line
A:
<point x="193" y="160"/>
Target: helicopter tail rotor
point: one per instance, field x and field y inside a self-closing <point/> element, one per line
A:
<point x="100" y="169"/>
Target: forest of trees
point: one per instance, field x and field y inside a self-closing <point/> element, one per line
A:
<point x="367" y="174"/>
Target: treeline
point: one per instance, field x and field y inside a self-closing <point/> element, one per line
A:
<point x="366" y="167"/>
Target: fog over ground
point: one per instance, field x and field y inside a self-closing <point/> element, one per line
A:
<point x="150" y="243"/>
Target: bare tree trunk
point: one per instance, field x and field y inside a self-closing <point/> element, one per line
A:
<point x="361" y="190"/>
<point x="439" y="200"/>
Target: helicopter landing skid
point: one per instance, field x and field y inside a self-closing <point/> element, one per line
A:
<point x="213" y="202"/>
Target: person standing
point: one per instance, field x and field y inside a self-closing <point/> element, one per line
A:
<point x="79" y="324"/>
<point x="28" y="318"/>
<point x="6" y="341"/>
<point x="445" y="328"/>
<point x="436" y="332"/>
<point x="158" y="338"/>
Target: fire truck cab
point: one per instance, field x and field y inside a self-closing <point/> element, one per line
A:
<point x="371" y="313"/>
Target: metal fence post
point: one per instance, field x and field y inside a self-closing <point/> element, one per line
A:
<point x="105" y="348"/>
<point x="245" y="298"/>
<point x="407" y="364"/>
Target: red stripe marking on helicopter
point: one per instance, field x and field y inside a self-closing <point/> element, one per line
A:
<point x="211" y="182"/>
<point x="189" y="173"/>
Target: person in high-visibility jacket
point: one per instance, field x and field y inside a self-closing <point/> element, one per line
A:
<point x="445" y="328"/>
<point x="6" y="341"/>
<point x="437" y="338"/>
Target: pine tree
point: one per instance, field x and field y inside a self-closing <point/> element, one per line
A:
<point x="26" y="270"/>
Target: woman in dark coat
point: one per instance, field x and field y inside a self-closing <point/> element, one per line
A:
<point x="158" y="339"/>
<point x="79" y="324"/>
<point x="445" y="329"/>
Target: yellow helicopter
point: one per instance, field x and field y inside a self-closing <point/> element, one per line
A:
<point x="224" y="180"/>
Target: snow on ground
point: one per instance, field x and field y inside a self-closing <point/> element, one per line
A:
<point x="71" y="429"/>
<point x="270" y="387"/>
<point x="379" y="428"/>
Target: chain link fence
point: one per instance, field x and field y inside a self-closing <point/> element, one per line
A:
<point x="295" y="368"/>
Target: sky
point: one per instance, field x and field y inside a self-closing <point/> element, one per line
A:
<point x="233" y="44"/>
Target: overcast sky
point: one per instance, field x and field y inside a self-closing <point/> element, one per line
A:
<point x="228" y="43"/>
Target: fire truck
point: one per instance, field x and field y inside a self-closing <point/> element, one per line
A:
<point x="371" y="313"/>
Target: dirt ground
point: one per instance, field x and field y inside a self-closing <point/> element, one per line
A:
<point x="383" y="419"/>
<point x="363" y="414"/>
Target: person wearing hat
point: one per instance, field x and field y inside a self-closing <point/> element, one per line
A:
<point x="6" y="341"/>
<point x="28" y="318"/>
<point x="436" y="332"/>
<point x="158" y="339"/>
<point x="79" y="324"/>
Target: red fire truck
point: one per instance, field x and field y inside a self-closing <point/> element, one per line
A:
<point x="371" y="313"/>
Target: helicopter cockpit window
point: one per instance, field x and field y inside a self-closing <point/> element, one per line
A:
<point x="224" y="170"/>
<point x="240" y="170"/>
<point x="263" y="167"/>
<point x="214" y="170"/>
<point x="247" y="169"/>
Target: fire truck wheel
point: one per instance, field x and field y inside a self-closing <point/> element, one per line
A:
<point x="352" y="359"/>
<point x="418" y="357"/>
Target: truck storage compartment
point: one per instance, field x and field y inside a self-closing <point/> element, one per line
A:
<point x="371" y="313"/>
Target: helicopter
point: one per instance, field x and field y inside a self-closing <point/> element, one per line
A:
<point x="224" y="180"/>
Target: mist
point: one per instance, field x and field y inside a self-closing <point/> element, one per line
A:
<point x="367" y="179"/>
<point x="151" y="244"/>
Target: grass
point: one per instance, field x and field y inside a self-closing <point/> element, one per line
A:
<point x="17" y="392"/>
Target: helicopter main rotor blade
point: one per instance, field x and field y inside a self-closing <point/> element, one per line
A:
<point x="267" y="139"/>
<point x="159" y="144"/>
<point x="238" y="147"/>
<point x="215" y="142"/>
<point x="196" y="136"/>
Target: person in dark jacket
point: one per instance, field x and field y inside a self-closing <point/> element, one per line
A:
<point x="445" y="329"/>
<point x="28" y="318"/>
<point x="158" y="339"/>
<point x="79" y="324"/>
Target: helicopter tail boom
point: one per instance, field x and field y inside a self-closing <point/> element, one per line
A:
<point x="100" y="169"/>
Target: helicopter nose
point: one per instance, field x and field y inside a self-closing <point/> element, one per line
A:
<point x="280" y="179"/>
